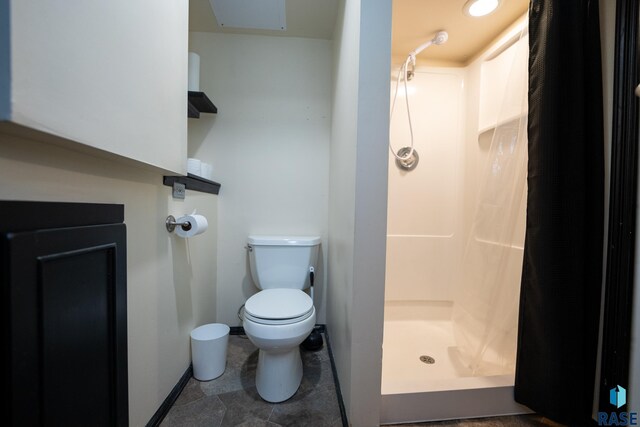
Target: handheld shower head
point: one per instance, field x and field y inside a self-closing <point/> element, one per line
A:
<point x="440" y="38"/>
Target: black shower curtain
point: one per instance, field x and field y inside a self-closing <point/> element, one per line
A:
<point x="562" y="269"/>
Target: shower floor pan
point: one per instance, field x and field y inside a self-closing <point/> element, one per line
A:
<point x="413" y="390"/>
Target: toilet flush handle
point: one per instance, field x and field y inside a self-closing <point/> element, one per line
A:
<point x="311" y="276"/>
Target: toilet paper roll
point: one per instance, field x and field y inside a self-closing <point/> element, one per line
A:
<point x="193" y="81"/>
<point x="206" y="171"/>
<point x="194" y="166"/>
<point x="197" y="225"/>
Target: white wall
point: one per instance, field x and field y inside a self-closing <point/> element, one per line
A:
<point x="171" y="283"/>
<point x="269" y="146"/>
<point x="108" y="75"/>
<point x="357" y="204"/>
<point x="425" y="204"/>
<point x="344" y="133"/>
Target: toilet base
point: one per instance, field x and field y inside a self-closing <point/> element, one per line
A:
<point x="279" y="374"/>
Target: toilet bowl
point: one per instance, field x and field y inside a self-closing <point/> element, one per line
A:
<point x="281" y="316"/>
<point x="278" y="337"/>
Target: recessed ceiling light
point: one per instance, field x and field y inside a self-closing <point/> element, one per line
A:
<point x="477" y="8"/>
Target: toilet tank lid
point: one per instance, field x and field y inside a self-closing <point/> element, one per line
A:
<point x="283" y="240"/>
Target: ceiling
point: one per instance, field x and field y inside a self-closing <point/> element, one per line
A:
<point x="414" y="22"/>
<point x="305" y="18"/>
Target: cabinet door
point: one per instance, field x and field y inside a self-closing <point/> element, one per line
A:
<point x="64" y="305"/>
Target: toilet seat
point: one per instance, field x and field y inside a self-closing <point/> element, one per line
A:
<point x="278" y="307"/>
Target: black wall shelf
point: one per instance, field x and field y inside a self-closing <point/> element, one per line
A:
<point x="193" y="182"/>
<point x="198" y="103"/>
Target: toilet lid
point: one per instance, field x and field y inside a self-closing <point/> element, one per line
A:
<point x="279" y="304"/>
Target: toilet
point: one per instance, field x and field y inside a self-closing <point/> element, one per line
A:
<point x="281" y="315"/>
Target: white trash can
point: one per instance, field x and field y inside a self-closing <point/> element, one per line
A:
<point x="209" y="350"/>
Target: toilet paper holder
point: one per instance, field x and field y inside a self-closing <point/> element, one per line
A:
<point x="171" y="224"/>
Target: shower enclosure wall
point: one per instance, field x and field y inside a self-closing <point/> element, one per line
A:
<point x="443" y="355"/>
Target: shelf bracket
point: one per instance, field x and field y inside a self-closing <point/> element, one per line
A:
<point x="179" y="190"/>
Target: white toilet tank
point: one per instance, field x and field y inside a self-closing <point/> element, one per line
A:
<point x="282" y="261"/>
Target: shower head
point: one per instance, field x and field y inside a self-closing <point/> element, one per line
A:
<point x="440" y="38"/>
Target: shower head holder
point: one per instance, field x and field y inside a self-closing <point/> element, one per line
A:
<point x="408" y="163"/>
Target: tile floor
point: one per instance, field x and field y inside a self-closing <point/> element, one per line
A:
<point x="511" y="421"/>
<point x="232" y="399"/>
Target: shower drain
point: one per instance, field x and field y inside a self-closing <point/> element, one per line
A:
<point x="427" y="359"/>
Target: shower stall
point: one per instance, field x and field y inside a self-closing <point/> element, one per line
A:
<point x="455" y="234"/>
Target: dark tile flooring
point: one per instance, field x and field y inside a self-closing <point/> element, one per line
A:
<point x="510" y="421"/>
<point x="232" y="399"/>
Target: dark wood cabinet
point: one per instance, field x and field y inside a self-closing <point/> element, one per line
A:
<point x="63" y="278"/>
